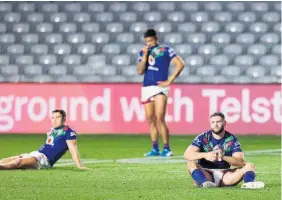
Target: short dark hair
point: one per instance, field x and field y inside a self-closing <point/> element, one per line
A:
<point x="150" y="33"/>
<point x="62" y="112"/>
<point x="218" y="114"/>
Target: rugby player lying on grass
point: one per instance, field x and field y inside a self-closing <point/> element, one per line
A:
<point x="59" y="140"/>
<point x="216" y="151"/>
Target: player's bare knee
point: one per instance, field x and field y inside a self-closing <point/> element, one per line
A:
<point x="160" y="118"/>
<point x="191" y="165"/>
<point x="249" y="167"/>
<point x="150" y="119"/>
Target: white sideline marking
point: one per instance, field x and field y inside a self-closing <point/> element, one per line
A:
<point x="161" y="160"/>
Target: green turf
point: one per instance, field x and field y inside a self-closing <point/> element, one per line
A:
<point x="120" y="181"/>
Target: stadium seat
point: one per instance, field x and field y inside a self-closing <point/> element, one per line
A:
<point x="231" y="70"/>
<point x="35" y="18"/>
<point x="258" y="27"/>
<point x="72" y="7"/>
<point x="275" y="71"/>
<point x="222" y="16"/>
<point x="24" y="60"/>
<point x="256" y="71"/>
<point x="141" y="7"/>
<point x="247" y="17"/>
<point x="15" y="49"/>
<point x="97" y="60"/>
<point x="76" y="38"/>
<point x="39" y="49"/>
<point x="221" y="38"/>
<point x="114" y="28"/>
<point x="176" y="17"/>
<point x="129" y="70"/>
<point x="72" y="59"/>
<point x="186" y="27"/>
<point x="82" y="70"/>
<point x="128" y="17"/>
<point x="47" y="59"/>
<point x="245" y="38"/>
<point x="219" y="60"/>
<point x="207" y="49"/>
<point x="12" y="17"/>
<point x="121" y="60"/>
<point x="4" y="60"/>
<point x="21" y="28"/>
<point x="244" y="60"/>
<point x="189" y="6"/>
<point x="138" y="27"/>
<point x="7" y="38"/>
<point x="234" y="27"/>
<point x="54" y="38"/>
<point x="111" y="49"/>
<point x="217" y="79"/>
<point x="174" y="38"/>
<point x="199" y="17"/>
<point x="42" y="79"/>
<point x="194" y="60"/>
<point x="8" y="70"/>
<point x="50" y="7"/>
<point x="152" y="16"/>
<point x="210" y="27"/>
<point x="270" y="38"/>
<point x="257" y="50"/>
<point x="107" y="70"/>
<point x="100" y="38"/>
<point x="198" y="38"/>
<point x="166" y="6"/>
<point x="26" y="7"/>
<point x="213" y="6"/>
<point x="57" y="70"/>
<point x="91" y="27"/>
<point x="66" y="79"/>
<point x="90" y="79"/>
<point x="271" y="17"/>
<point x="269" y="60"/>
<point x="81" y="17"/>
<point x="3" y="28"/>
<point x="58" y="17"/>
<point x="183" y="49"/>
<point x="68" y="28"/>
<point x="125" y="38"/>
<point x="105" y="17"/>
<point x="276" y="49"/>
<point x="86" y="49"/>
<point x="33" y="70"/>
<point x="96" y="7"/>
<point x="134" y="49"/>
<point x="233" y="49"/>
<point x="164" y="27"/>
<point x="277" y="28"/>
<point x="62" y="49"/>
<point x="44" y="28"/>
<point x="259" y="6"/>
<point x="235" y="6"/>
<point x="118" y="7"/>
<point x="5" y="7"/>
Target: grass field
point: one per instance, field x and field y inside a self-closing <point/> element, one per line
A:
<point x="115" y="175"/>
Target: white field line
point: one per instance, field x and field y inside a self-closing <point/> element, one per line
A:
<point x="154" y="160"/>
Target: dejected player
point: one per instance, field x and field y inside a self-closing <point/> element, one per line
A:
<point x="211" y="155"/>
<point x="154" y="61"/>
<point x="60" y="139"/>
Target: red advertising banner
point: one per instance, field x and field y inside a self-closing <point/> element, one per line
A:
<point x="116" y="108"/>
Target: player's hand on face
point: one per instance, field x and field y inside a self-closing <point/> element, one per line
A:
<point x="145" y="50"/>
<point x="163" y="83"/>
<point x="211" y="156"/>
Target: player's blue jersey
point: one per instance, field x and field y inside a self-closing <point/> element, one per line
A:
<point x="157" y="67"/>
<point x="56" y="145"/>
<point x="229" y="144"/>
